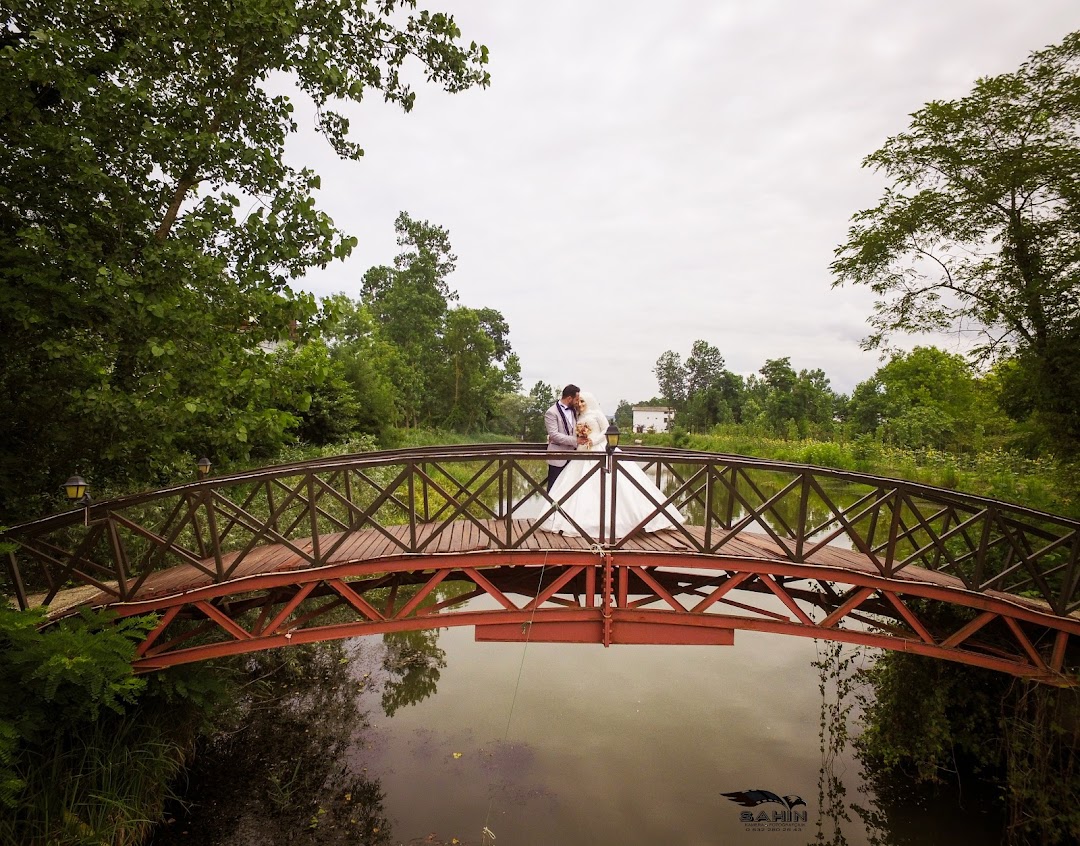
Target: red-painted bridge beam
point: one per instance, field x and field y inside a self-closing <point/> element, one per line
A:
<point x="582" y="597"/>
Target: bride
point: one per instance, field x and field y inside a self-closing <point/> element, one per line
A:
<point x="582" y="506"/>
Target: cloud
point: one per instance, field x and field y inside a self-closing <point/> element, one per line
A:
<point x="641" y="175"/>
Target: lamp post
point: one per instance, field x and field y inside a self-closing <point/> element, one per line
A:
<point x="203" y="466"/>
<point x="75" y="488"/>
<point x="612" y="437"/>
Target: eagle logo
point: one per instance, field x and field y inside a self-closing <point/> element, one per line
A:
<point x="753" y="798"/>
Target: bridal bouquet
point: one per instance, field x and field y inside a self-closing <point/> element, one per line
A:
<point x="583" y="430"/>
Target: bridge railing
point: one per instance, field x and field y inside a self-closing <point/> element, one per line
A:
<point x="320" y="511"/>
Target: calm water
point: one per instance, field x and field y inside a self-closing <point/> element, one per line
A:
<point x="630" y="745"/>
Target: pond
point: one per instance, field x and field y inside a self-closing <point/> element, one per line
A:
<point x="574" y="744"/>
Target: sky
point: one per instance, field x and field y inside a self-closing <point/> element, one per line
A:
<point x="639" y="176"/>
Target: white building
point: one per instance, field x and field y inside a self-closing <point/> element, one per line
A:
<point x="652" y="418"/>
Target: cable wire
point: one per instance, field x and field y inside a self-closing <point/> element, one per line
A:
<point x="488" y="837"/>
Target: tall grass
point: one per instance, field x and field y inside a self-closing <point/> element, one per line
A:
<point x="105" y="785"/>
<point x="442" y="437"/>
<point x="1041" y="483"/>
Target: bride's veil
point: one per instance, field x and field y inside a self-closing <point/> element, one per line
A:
<point x="592" y="406"/>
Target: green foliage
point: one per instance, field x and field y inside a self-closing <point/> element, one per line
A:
<point x="445" y="366"/>
<point x="932" y="721"/>
<point x="779" y="402"/>
<point x="702" y="391"/>
<point x="953" y="714"/>
<point x="978" y="231"/>
<point x="926" y="398"/>
<point x="678" y="437"/>
<point x="333" y="408"/>
<point x="789" y="404"/>
<point x="671" y="377"/>
<point x="108" y="783"/>
<point x="150" y="226"/>
<point x="67" y="674"/>
<point x="58" y="680"/>
<point x="1042" y="743"/>
<point x="1041" y="483"/>
<point x="540" y="399"/>
<point x="368" y="362"/>
<point x="88" y="751"/>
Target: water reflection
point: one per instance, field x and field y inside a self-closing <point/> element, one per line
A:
<point x="412" y="661"/>
<point x="836" y="665"/>
<point x="282" y="775"/>
<point x="887" y="808"/>
<point x="639" y="745"/>
<point x="430" y="737"/>
<point x="899" y="813"/>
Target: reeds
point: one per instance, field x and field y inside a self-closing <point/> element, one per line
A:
<point x="106" y="785"/>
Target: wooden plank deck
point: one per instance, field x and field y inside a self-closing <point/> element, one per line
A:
<point x="465" y="536"/>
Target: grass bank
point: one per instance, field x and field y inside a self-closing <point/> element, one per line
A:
<point x="1041" y="483"/>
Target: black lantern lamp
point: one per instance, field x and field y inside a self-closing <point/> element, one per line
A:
<point x="75" y="489"/>
<point x="612" y="435"/>
<point x="203" y="465"/>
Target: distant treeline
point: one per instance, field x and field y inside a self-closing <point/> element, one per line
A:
<point x="926" y="398"/>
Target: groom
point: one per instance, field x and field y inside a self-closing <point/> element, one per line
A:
<point x="561" y="423"/>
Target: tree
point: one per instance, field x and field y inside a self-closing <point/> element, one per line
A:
<point x="497" y="329"/>
<point x="979" y="231"/>
<point x="624" y="416"/>
<point x="446" y="371"/>
<point x="780" y="406"/>
<point x="671" y="377"/>
<point x="410" y="302"/>
<point x="787" y="404"/>
<point x="926" y="397"/>
<point x="728" y="395"/>
<point x="468" y="387"/>
<point x="330" y="411"/>
<point x="704" y="367"/>
<point x="510" y="416"/>
<point x="150" y="226"/>
<point x="541" y="398"/>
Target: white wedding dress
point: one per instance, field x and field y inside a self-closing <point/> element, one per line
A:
<point x="582" y="506"/>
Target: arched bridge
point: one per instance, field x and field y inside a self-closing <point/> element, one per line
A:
<point x="453" y="536"/>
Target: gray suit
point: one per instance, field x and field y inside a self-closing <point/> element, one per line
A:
<point x="562" y="437"/>
<point x="559" y="438"/>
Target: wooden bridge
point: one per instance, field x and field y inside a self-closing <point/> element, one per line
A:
<point x="434" y="537"/>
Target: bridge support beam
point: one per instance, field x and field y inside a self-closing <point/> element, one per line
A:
<point x="596" y="631"/>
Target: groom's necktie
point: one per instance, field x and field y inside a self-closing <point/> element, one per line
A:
<point x="567" y="420"/>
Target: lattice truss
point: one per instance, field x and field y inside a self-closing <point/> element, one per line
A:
<point x="612" y="598"/>
<point x="844" y="555"/>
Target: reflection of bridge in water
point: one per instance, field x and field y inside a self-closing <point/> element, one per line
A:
<point x="360" y="544"/>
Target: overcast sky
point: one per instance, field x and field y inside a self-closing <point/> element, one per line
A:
<point x="642" y="175"/>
